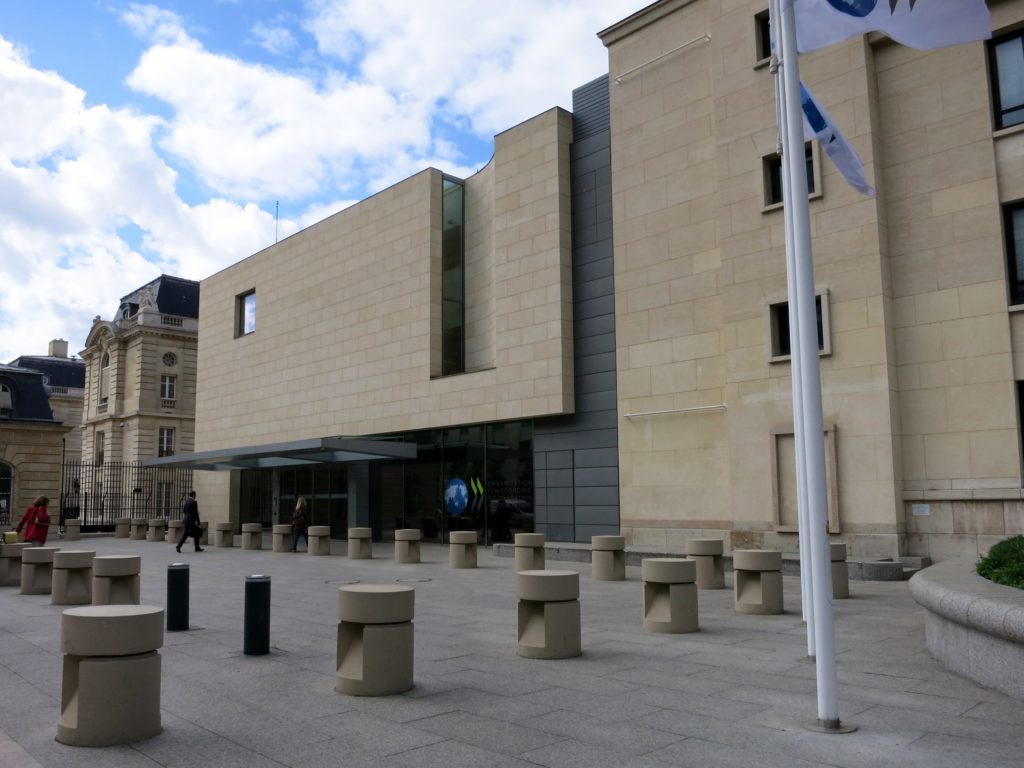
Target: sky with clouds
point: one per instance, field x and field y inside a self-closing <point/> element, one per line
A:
<point x="179" y="137"/>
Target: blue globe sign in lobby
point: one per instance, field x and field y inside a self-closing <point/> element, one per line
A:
<point x="456" y="496"/>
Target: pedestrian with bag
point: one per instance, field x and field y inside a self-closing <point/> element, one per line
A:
<point x="300" y="525"/>
<point x="36" y="522"/>
<point x="190" y="520"/>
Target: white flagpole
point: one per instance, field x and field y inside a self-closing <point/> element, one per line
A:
<point x="796" y="369"/>
<point x="813" y="427"/>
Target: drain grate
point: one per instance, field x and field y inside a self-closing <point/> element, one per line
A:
<point x="412" y="581"/>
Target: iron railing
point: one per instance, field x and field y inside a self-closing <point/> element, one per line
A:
<point x="99" y="493"/>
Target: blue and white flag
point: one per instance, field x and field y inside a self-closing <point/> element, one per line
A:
<point x="818" y="124"/>
<point x="916" y="23"/>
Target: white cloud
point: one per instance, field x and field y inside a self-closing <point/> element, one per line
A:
<point x="154" y="23"/>
<point x="276" y="40"/>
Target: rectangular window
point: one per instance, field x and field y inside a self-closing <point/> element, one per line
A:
<point x="1006" y="64"/>
<point x="165" y="445"/>
<point x="100" y="439"/>
<point x="453" y="279"/>
<point x="1013" y="221"/>
<point x="773" y="175"/>
<point x="779" y="328"/>
<point x="762" y="37"/>
<point x="168" y="387"/>
<point x="6" y="403"/>
<point x="245" y="313"/>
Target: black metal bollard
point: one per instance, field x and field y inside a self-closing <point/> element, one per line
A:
<point x="177" y="597"/>
<point x="257" y="615"/>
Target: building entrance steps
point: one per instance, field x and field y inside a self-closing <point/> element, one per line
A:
<point x="462" y="549"/>
<point x="757" y="581"/>
<point x="37" y="570"/>
<point x="10" y="563"/>
<point x="360" y="544"/>
<point x="375" y="639"/>
<point x="72" y="577"/>
<point x="529" y="552"/>
<point x="549" y="614"/>
<point x="670" y="595"/>
<point x="110" y="692"/>
<point x="116" y="580"/>
<point x="407" y="545"/>
<point x="608" y="558"/>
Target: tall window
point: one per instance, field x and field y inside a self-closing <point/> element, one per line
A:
<point x="453" y="279"/>
<point x="164" y="499"/>
<point x="6" y="402"/>
<point x="1013" y="220"/>
<point x="165" y="443"/>
<point x="773" y="175"/>
<point x="245" y="313"/>
<point x="6" y="486"/>
<point x="168" y="387"/>
<point x="104" y="378"/>
<point x="100" y="440"/>
<point x="1006" y="63"/>
<point x="762" y="37"/>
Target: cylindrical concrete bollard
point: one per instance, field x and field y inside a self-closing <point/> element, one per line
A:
<point x="670" y="594"/>
<point x="407" y="545"/>
<point x="156" y="529"/>
<point x="529" y="552"/>
<point x="840" y="571"/>
<point x="549" y="614"/>
<point x="252" y="536"/>
<point x="281" y="537"/>
<point x="257" y="615"/>
<point x="10" y="563"/>
<point x="319" y="540"/>
<point x="139" y="525"/>
<point x="72" y="530"/>
<point x="72" y="577"/>
<point x="360" y="543"/>
<point x="709" y="556"/>
<point x="115" y="580"/>
<point x="462" y="549"/>
<point x="375" y="639"/>
<point x="177" y="597"/>
<point x="37" y="570"/>
<point x="608" y="558"/>
<point x="757" y="581"/>
<point x="174" y="530"/>
<point x="122" y="527"/>
<point x="224" y="534"/>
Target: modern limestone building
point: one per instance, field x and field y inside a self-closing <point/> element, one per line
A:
<point x="140" y="396"/>
<point x="590" y="334"/>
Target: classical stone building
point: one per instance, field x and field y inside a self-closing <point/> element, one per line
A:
<point x="140" y="396"/>
<point x="64" y="380"/>
<point x="590" y="335"/>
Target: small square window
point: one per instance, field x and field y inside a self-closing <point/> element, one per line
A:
<point x="245" y="313"/>
<point x="762" y="38"/>
<point x="772" y="165"/>
<point x="1013" y="222"/>
<point x="778" y="320"/>
<point x="1006" y="65"/>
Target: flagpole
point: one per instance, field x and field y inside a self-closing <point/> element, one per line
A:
<point x="796" y="369"/>
<point x="813" y="427"/>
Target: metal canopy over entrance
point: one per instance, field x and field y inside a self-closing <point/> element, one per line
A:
<point x="323" y="450"/>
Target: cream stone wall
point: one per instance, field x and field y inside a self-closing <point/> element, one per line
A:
<point x="34" y="453"/>
<point x="347" y="311"/>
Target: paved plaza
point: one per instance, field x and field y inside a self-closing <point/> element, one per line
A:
<point x="734" y="694"/>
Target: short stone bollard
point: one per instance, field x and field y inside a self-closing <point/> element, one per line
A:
<point x="529" y="551"/>
<point x="37" y="570"/>
<point x="115" y="580"/>
<point x="139" y="525"/>
<point x="252" y="536"/>
<point x="157" y="528"/>
<point x="840" y="571"/>
<point x="670" y="595"/>
<point x="319" y="540"/>
<point x="72" y="577"/>
<point x="174" y="530"/>
<point x="710" y="559"/>
<point x="462" y="549"/>
<point x="10" y="563"/>
<point x="72" y="530"/>
<point x="758" y="581"/>
<point x="280" y="538"/>
<point x="122" y="527"/>
<point x="110" y="692"/>
<point x="407" y="545"/>
<point x="375" y="639"/>
<point x="549" y="614"/>
<point x="224" y="535"/>
<point x="360" y="544"/>
<point x="608" y="558"/>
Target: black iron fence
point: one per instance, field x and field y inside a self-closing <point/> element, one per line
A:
<point x="98" y="494"/>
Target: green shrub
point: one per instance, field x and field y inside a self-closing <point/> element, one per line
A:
<point x="1004" y="563"/>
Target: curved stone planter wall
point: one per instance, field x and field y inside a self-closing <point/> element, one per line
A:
<point x="973" y="626"/>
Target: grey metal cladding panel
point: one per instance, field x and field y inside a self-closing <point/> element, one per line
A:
<point x="602" y="305"/>
<point x="603" y="196"/>
<point x="582" y="164"/>
<point x="560" y="497"/>
<point x="591" y="289"/>
<point x="585" y="236"/>
<point x="593" y="270"/>
<point x="597" y="382"/>
<point x="594" y="326"/>
<point x="564" y="434"/>
<point x="596" y="477"/>
<point x="595" y="345"/>
<point x="600" y="496"/>
<point x="540" y="459"/>
<point x="560" y="515"/>
<point x="557" y="532"/>
<point x="595" y="420"/>
<point x="597" y="457"/>
<point x="559" y="478"/>
<point x="560" y="459"/>
<point x="596" y="251"/>
<point x="540" y="497"/>
<point x="599" y="363"/>
<point x="596" y="401"/>
<point x="587" y="514"/>
<point x="584" y="532"/>
<point x="590" y="144"/>
<point x="590" y="111"/>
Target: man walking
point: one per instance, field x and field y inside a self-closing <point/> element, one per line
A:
<point x="190" y="518"/>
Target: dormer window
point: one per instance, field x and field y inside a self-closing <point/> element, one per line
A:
<point x="6" y="402"/>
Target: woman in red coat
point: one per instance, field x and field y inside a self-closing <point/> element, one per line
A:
<point x="36" y="521"/>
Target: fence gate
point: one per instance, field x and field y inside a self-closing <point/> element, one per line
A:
<point x="98" y="494"/>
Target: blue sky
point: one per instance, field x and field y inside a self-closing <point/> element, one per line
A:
<point x="147" y="138"/>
